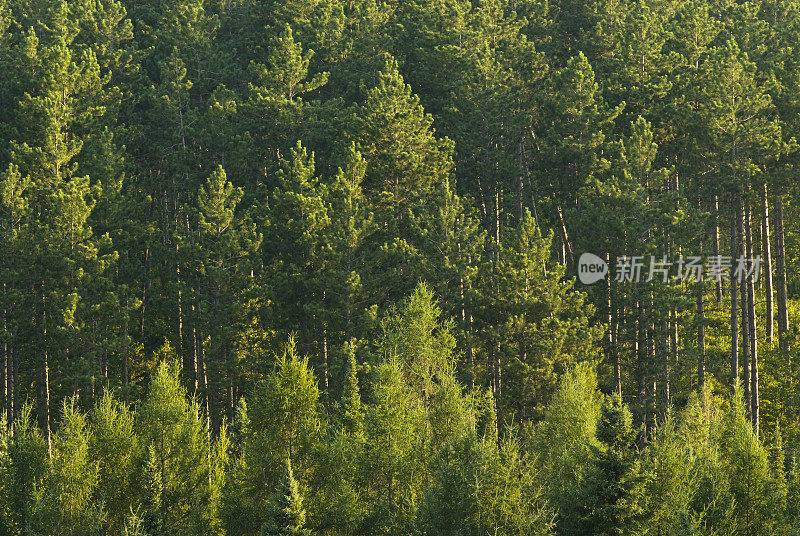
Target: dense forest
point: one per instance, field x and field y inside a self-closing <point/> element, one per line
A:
<point x="294" y="267"/>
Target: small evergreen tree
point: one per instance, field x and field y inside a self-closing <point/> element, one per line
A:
<point x="287" y="516"/>
<point x="352" y="415"/>
<point x="64" y="505"/>
<point x="611" y="494"/>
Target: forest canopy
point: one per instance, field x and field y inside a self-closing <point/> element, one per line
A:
<point x="274" y="267"/>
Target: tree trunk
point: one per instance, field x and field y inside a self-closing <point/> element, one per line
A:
<point x="613" y="337"/>
<point x="6" y="349"/>
<point x="745" y="301"/>
<point x="325" y="370"/>
<point x="752" y="325"/>
<point x="701" y="338"/>
<point x="179" y="319"/>
<point x="125" y="356"/>
<point x="780" y="283"/>
<point x="43" y="391"/>
<point x="715" y="246"/>
<point x="745" y="306"/>
<point x="641" y="369"/>
<point x="734" y="312"/>
<point x="466" y="322"/>
<point x="766" y="251"/>
<point x="206" y="390"/>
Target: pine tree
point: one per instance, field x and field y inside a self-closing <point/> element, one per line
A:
<point x="284" y="416"/>
<point x="24" y="468"/>
<point x="404" y="158"/>
<point x="287" y="516"/>
<point x="183" y="467"/>
<point x="564" y="442"/>
<point x="284" y="422"/>
<point x="227" y="243"/>
<point x="134" y="526"/>
<point x="756" y="499"/>
<point x="276" y="95"/>
<point x="62" y="255"/>
<point x="115" y="448"/>
<point x="668" y="483"/>
<point x="295" y="245"/>
<point x="419" y="340"/>
<point x="340" y="278"/>
<point x="532" y="324"/>
<point x="449" y="240"/>
<point x="576" y="121"/>
<point x="352" y="416"/>
<point x="482" y="488"/>
<point x="392" y="466"/>
<point x="611" y="492"/>
<point x="63" y="505"/>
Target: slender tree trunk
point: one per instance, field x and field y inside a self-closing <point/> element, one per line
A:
<point x="196" y="344"/>
<point x="145" y="291"/>
<point x="617" y="361"/>
<point x="766" y="251"/>
<point x="179" y="318"/>
<point x="325" y="370"/>
<point x="206" y="390"/>
<point x="752" y="325"/>
<point x="12" y="390"/>
<point x="780" y="283"/>
<point x="43" y="402"/>
<point x="701" y="338"/>
<point x="495" y="354"/>
<point x="653" y="362"/>
<point x="466" y="322"/>
<point x="566" y="248"/>
<point x="745" y="306"/>
<point x="6" y="350"/>
<point x="613" y="333"/>
<point x="125" y="356"/>
<point x="734" y="312"/>
<point x="641" y="368"/>
<point x="520" y="198"/>
<point x="745" y="301"/>
<point x="715" y="245"/>
<point x="196" y="348"/>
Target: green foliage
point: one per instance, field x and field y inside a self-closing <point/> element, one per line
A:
<point x="756" y="499"/>
<point x="287" y="515"/>
<point x="564" y="441"/>
<point x="63" y="504"/>
<point x="482" y="488"/>
<point x="611" y="492"/>
<point x="183" y="468"/>
<point x="115" y="447"/>
<point x="395" y="135"/>
<point x="402" y="190"/>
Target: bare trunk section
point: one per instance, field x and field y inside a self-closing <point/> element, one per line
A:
<point x="43" y="391"/>
<point x="751" y="321"/>
<point x="780" y="283"/>
<point x="701" y="337"/>
<point x="745" y="306"/>
<point x="466" y="321"/>
<point x="641" y="369"/>
<point x="734" y="312"/>
<point x="206" y="393"/>
<point x="125" y="356"/>
<point x="715" y="246"/>
<point x="613" y="335"/>
<point x="766" y="252"/>
<point x="325" y="370"/>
